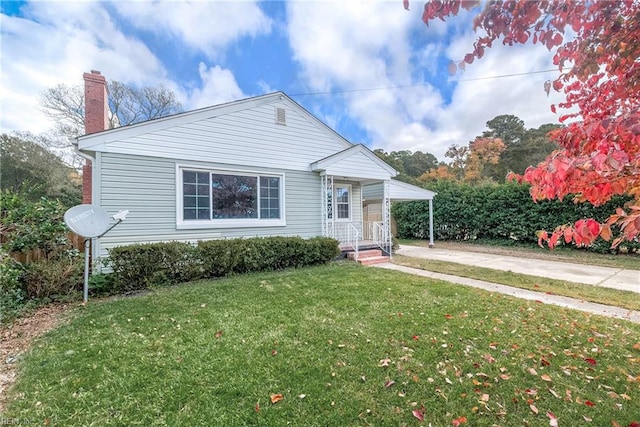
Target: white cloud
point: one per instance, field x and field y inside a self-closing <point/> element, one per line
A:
<point x="218" y="86"/>
<point x="345" y="46"/>
<point x="56" y="43"/>
<point x="206" y="26"/>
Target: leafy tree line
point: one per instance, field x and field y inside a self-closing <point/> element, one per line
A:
<point x="506" y="146"/>
<point x="498" y="212"/>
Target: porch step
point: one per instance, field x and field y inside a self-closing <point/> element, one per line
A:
<point x="369" y="256"/>
<point x="373" y="260"/>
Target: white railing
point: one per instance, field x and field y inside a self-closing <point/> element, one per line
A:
<point x="375" y="232"/>
<point x="347" y="234"/>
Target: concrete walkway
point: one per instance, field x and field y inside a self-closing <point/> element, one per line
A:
<point x="616" y="278"/>
<point x="599" y="276"/>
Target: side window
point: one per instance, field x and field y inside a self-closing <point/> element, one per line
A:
<point x="196" y="201"/>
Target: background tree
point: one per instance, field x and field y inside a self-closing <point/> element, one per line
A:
<point x="599" y="73"/>
<point x="28" y="167"/>
<point x="127" y="104"/>
<point x="523" y="148"/>
<point x="409" y="165"/>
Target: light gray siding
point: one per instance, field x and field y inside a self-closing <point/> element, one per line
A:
<point x="146" y="186"/>
<point x="246" y="137"/>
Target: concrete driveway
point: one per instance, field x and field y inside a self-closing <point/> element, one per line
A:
<point x="616" y="278"/>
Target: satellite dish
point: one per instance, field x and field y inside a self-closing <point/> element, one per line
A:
<point x="87" y="220"/>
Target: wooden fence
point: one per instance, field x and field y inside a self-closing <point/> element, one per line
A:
<point x="36" y="254"/>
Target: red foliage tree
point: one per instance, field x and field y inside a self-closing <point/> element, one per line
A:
<point x="596" y="47"/>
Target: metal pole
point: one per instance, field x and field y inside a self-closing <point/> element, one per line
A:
<point x="87" y="244"/>
<point x="431" y="223"/>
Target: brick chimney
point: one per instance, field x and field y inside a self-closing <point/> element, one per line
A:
<point x="96" y="119"/>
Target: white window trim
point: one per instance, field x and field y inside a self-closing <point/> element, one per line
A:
<point x="335" y="203"/>
<point x="182" y="224"/>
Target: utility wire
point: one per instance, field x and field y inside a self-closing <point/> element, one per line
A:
<point x="335" y="92"/>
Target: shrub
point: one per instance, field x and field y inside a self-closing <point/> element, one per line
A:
<point x="140" y="266"/>
<point x="53" y="279"/>
<point x="12" y="293"/>
<point x="499" y="212"/>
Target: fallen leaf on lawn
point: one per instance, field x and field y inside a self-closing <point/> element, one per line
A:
<point x="533" y="409"/>
<point x="484" y="397"/>
<point x="615" y="423"/>
<point x="552" y="391"/>
<point x="402" y="394"/>
<point x="504" y="376"/>
<point x="384" y="362"/>
<point x="544" y="362"/>
<point x="448" y="316"/>
<point x="533" y="371"/>
<point x="634" y="424"/>
<point x="625" y="396"/>
<point x="545" y="377"/>
<point x="553" y="420"/>
<point x="274" y="352"/>
<point x="613" y="395"/>
<point x="492" y="345"/>
<point x="587" y="419"/>
<point x="302" y="396"/>
<point x="458" y="421"/>
<point x="258" y="406"/>
<point x="531" y="391"/>
<point x="418" y="414"/>
<point x="589" y="403"/>
<point x="415" y="337"/>
<point x="389" y="383"/>
<point x="590" y="360"/>
<point x="489" y="358"/>
<point x="218" y="334"/>
<point x="275" y="398"/>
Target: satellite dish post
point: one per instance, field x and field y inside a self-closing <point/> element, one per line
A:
<point x="90" y="222"/>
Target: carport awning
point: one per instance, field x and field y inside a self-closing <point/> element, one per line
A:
<point x="398" y="192"/>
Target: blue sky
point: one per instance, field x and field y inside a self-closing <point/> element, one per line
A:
<point x="369" y="69"/>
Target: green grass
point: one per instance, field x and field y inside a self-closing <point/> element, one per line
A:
<point x="602" y="295"/>
<point x="211" y="353"/>
<point x="563" y="254"/>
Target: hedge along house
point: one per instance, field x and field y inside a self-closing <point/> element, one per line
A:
<point x="262" y="166"/>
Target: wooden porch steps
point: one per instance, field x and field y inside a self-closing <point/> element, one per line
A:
<point x="369" y="256"/>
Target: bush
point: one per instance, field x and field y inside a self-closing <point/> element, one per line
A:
<point x="141" y="266"/>
<point x="498" y="212"/>
<point x="53" y="279"/>
<point x="137" y="267"/>
<point x="12" y="293"/>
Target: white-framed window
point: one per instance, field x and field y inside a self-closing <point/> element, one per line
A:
<point x="340" y="202"/>
<point x="225" y="198"/>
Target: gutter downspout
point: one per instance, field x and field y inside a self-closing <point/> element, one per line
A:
<point x="94" y="242"/>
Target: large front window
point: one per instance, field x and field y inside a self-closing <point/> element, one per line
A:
<point x="221" y="198"/>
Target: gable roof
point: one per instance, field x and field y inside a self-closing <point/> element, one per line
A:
<point x="95" y="140"/>
<point x="355" y="161"/>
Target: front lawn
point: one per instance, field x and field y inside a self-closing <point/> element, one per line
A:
<point x="337" y="345"/>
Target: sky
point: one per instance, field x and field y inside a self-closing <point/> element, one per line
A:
<point x="369" y="69"/>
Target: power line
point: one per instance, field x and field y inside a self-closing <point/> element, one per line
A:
<point x="335" y="92"/>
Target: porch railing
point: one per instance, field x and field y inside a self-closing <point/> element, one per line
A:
<point x="347" y="234"/>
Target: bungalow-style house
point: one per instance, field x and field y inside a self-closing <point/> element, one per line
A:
<point x="261" y="166"/>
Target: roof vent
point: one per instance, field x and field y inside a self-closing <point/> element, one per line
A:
<point x="281" y="117"/>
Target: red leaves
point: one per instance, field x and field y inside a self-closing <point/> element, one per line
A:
<point x="601" y="142"/>
<point x="553" y="420"/>
<point x="458" y="421"/>
<point x="419" y="414"/>
<point x="590" y="361"/>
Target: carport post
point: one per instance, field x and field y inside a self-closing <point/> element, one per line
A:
<point x="431" y="223"/>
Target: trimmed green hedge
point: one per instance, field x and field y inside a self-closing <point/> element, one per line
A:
<point x="141" y="266"/>
<point x="492" y="212"/>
